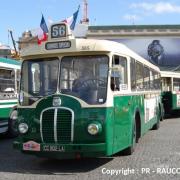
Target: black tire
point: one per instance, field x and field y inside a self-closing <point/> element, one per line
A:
<point x="162" y="118"/>
<point x="161" y="112"/>
<point x="131" y="149"/>
<point x="156" y="126"/>
<point x="12" y="130"/>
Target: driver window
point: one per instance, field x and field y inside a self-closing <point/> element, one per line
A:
<point x="35" y="70"/>
<point x="119" y="74"/>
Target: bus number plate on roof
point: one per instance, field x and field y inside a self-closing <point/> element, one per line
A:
<point x="58" y="31"/>
<point x="58" y="45"/>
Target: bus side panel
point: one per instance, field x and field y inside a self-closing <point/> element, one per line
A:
<point x="125" y="109"/>
<point x="4" y="113"/>
<point x="151" y="113"/>
<point x="124" y="112"/>
<point x="109" y="135"/>
<point x="5" y="109"/>
<point x="175" y="101"/>
<point x="4" y="117"/>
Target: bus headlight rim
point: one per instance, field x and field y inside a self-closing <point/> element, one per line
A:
<point x="94" y="129"/>
<point x="23" y="128"/>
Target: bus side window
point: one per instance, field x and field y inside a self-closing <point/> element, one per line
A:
<point x="156" y="80"/>
<point x="151" y="80"/>
<point x="146" y="78"/>
<point x="7" y="82"/>
<point x="176" y="84"/>
<point x="114" y="84"/>
<point x="133" y="74"/>
<point x="139" y="76"/>
<point x="119" y="74"/>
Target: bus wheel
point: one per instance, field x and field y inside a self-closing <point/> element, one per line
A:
<point x="12" y="130"/>
<point x="130" y="149"/>
<point x="161" y="112"/>
<point x="156" y="126"/>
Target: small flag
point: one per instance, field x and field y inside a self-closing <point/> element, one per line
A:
<point x="42" y="32"/>
<point x="71" y="21"/>
<point x="75" y="15"/>
<point x="50" y="21"/>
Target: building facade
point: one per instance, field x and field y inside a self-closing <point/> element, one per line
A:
<point x="157" y="43"/>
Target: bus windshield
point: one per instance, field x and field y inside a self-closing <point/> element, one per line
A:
<point x="39" y="79"/>
<point x="85" y="77"/>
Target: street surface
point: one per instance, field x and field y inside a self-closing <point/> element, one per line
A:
<point x="157" y="156"/>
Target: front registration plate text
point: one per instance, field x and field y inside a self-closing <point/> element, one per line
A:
<point x="53" y="148"/>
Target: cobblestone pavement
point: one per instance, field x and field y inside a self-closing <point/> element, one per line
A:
<point x="157" y="153"/>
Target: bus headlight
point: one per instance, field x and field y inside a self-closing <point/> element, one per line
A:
<point x="94" y="128"/>
<point x="23" y="128"/>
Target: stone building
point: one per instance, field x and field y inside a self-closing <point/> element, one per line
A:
<point x="26" y="40"/>
<point x="157" y="43"/>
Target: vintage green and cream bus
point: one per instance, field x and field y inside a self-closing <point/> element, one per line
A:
<point x="170" y="81"/>
<point x="84" y="97"/>
<point x="9" y="84"/>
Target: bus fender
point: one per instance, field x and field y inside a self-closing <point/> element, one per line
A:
<point x="12" y="130"/>
<point x="135" y="128"/>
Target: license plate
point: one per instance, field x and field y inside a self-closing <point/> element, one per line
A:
<point x="53" y="148"/>
<point x="31" y="146"/>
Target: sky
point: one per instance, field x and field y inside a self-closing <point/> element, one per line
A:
<point x="22" y="15"/>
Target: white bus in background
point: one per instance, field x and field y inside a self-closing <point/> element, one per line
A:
<point x="170" y="82"/>
<point x="9" y="85"/>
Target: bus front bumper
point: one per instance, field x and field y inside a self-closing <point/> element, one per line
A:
<point x="62" y="151"/>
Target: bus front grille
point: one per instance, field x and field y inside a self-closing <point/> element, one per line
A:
<point x="56" y="125"/>
<point x="48" y="126"/>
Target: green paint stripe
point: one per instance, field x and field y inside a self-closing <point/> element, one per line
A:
<point x="10" y="61"/>
<point x="7" y="103"/>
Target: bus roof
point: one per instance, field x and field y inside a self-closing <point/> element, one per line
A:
<point x="9" y="63"/>
<point x="84" y="46"/>
<point x="170" y="74"/>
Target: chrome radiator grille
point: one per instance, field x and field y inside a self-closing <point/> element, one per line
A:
<point x="56" y="125"/>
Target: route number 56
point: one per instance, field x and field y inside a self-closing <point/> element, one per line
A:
<point x="58" y="31"/>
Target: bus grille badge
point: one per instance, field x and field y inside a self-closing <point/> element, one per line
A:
<point x="56" y="101"/>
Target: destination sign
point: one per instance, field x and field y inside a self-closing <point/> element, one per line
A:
<point x="58" y="31"/>
<point x="58" y="45"/>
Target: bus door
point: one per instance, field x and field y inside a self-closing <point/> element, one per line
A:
<point x="118" y="86"/>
